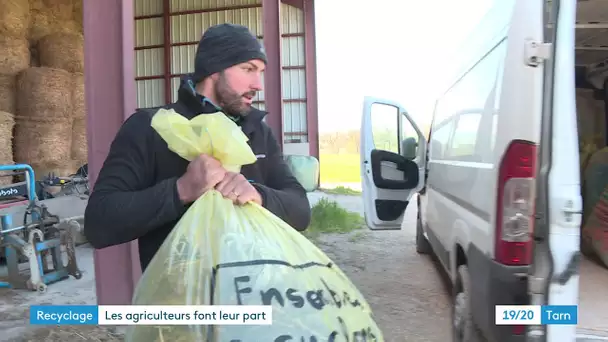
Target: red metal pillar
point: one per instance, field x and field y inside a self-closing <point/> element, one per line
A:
<point x="312" y="107"/>
<point x="110" y="98"/>
<point x="273" y="84"/>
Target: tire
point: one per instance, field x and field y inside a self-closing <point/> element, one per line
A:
<point x="463" y="326"/>
<point x="422" y="244"/>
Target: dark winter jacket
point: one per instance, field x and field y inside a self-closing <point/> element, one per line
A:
<point x="135" y="195"/>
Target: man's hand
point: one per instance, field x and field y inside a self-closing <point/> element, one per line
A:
<point x="203" y="173"/>
<point x="235" y="187"/>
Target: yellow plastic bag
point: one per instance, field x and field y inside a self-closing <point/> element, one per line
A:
<point x="244" y="255"/>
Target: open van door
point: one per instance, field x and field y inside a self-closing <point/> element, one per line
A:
<point x="393" y="158"/>
<point x="554" y="275"/>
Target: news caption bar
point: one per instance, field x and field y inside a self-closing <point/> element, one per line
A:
<point x="150" y="315"/>
<point x="536" y="314"/>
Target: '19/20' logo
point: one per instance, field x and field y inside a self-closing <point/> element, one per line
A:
<point x="513" y="315"/>
<point x="517" y="314"/>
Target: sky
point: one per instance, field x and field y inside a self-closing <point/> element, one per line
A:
<point x="393" y="49"/>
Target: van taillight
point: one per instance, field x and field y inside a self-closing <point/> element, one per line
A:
<point x="515" y="206"/>
<point x="519" y="329"/>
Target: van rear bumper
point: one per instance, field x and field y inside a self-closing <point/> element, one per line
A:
<point x="495" y="284"/>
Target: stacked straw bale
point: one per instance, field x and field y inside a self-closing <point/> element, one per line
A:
<point x="14" y="55"/>
<point x="7" y="94"/>
<point x="14" y="18"/>
<point x="42" y="85"/>
<point x="7" y="122"/>
<point x="56" y="32"/>
<point x="77" y="14"/>
<point x="14" y="58"/>
<point x="43" y="129"/>
<point x="62" y="51"/>
<point x="52" y="16"/>
<point x="79" y="123"/>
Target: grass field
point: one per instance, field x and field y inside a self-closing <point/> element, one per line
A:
<point x="340" y="168"/>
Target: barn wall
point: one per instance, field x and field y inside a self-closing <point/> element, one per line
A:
<point x="294" y="76"/>
<point x="149" y="53"/>
<point x="186" y="30"/>
<point x="158" y="69"/>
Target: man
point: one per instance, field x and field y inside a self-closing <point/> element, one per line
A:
<point x="143" y="188"/>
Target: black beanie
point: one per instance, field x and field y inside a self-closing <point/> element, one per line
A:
<point x="223" y="46"/>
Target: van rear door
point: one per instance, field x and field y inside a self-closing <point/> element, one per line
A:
<point x="554" y="274"/>
<point x="393" y="156"/>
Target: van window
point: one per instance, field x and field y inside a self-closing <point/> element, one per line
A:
<point x="469" y="99"/>
<point x="409" y="139"/>
<point x="497" y="95"/>
<point x="440" y="139"/>
<point x="385" y="127"/>
<point x="494" y="128"/>
<point x="465" y="135"/>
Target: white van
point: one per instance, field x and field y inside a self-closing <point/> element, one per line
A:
<point x="498" y="179"/>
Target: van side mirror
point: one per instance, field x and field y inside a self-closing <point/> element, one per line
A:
<point x="409" y="147"/>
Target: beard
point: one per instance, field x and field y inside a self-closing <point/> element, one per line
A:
<point x="231" y="101"/>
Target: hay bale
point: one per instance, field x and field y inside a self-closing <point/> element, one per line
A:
<point x="34" y="56"/>
<point x="6" y="177"/>
<point x="62" y="51"/>
<point x="36" y="5"/>
<point x="7" y="94"/>
<point x="42" y="140"/>
<point x="43" y="24"/>
<point x="77" y="14"/>
<point x="77" y="164"/>
<point x="57" y="169"/>
<point x="14" y="55"/>
<point x="14" y="18"/>
<point x="7" y="122"/>
<point x="40" y="26"/>
<point x="79" y="140"/>
<point x="78" y="99"/>
<point x="44" y="92"/>
<point x="61" y="9"/>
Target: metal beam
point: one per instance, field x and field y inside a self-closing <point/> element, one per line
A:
<point x="110" y="98"/>
<point x="312" y="106"/>
<point x="596" y="25"/>
<point x="592" y="25"/>
<point x="295" y="3"/>
<point x="592" y="48"/>
<point x="273" y="76"/>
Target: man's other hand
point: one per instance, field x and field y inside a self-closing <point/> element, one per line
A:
<point x="239" y="190"/>
<point x="203" y="173"/>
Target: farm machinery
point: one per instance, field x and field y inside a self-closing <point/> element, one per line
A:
<point x="38" y="220"/>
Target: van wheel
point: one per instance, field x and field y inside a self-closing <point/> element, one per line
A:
<point x="422" y="244"/>
<point x="463" y="326"/>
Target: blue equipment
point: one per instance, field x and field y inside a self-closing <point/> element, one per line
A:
<point x="30" y="234"/>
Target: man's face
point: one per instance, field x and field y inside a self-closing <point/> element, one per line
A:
<point x="236" y="86"/>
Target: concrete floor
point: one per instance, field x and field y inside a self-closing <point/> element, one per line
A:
<point x="402" y="298"/>
<point x="14" y="304"/>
